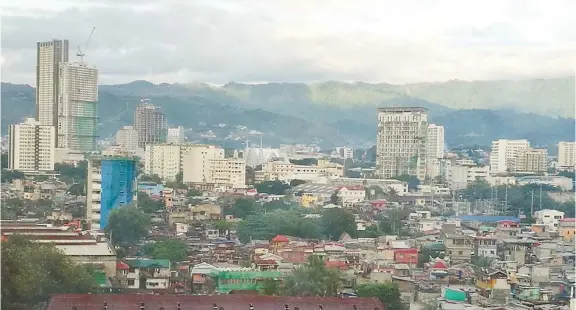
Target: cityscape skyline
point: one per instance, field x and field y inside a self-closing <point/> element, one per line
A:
<point x="281" y="41"/>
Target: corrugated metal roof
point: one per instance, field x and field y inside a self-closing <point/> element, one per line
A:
<point x="97" y="249"/>
<point x="225" y="302"/>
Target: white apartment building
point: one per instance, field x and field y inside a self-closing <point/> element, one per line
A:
<point x="566" y="155"/>
<point x="463" y="174"/>
<point x="530" y="160"/>
<point x="345" y="152"/>
<point x="287" y="171"/>
<point x="49" y="55"/>
<point x="550" y="218"/>
<point x="503" y="154"/>
<point x="175" y="135"/>
<point x="401" y="142"/>
<point x="434" y="149"/>
<point x="207" y="164"/>
<point x="31" y="146"/>
<point x="127" y="138"/>
<point x="163" y="160"/>
<point x="77" y="107"/>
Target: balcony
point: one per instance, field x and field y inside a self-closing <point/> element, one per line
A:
<point x="96" y="206"/>
<point x="96" y="177"/>
<point x="96" y="186"/>
<point x="96" y="197"/>
<point x="95" y="217"/>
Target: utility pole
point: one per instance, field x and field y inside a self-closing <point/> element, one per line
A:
<point x="505" y="200"/>
<point x="532" y="208"/>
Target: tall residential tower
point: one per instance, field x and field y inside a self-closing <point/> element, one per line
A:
<point x="48" y="58"/>
<point x="150" y="123"/>
<point x="401" y="142"/>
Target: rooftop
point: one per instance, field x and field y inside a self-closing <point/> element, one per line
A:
<point x="223" y="302"/>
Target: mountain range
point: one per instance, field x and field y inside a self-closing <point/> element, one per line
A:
<point x="336" y="113"/>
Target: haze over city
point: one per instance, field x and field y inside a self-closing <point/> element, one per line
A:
<point x="218" y="41"/>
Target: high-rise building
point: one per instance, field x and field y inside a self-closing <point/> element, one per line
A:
<point x="48" y="58"/>
<point x="434" y="149"/>
<point x="31" y="146"/>
<point x="77" y="107"/>
<point x="151" y="124"/>
<point x="567" y="155"/>
<point x="530" y="160"/>
<point x="127" y="138"/>
<point x="503" y="154"/>
<point x="175" y="135"/>
<point x="111" y="183"/>
<point x="401" y="142"/>
<point x="163" y="160"/>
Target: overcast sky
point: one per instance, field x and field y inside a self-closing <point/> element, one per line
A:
<point x="218" y="41"/>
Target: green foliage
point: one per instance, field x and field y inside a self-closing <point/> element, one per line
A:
<point x="76" y="189"/>
<point x="222" y="225"/>
<point x="193" y="193"/>
<point x="426" y="253"/>
<point x="387" y="293"/>
<point x="10" y="175"/>
<point x="242" y="208"/>
<point x="31" y="272"/>
<point x="336" y="221"/>
<point x="312" y="279"/>
<point x="128" y="224"/>
<point x="393" y="222"/>
<point x="270" y="287"/>
<point x="568" y="174"/>
<point x="70" y="173"/>
<point x="296" y="182"/>
<point x="4" y="160"/>
<point x="413" y="181"/>
<point x="276" y="205"/>
<point x="150" y="178"/>
<point x="147" y="204"/>
<point x="272" y="187"/>
<point x="174" y="250"/>
<point x="265" y="226"/>
<point x="481" y="262"/>
<point x="305" y="161"/>
<point x="370" y="232"/>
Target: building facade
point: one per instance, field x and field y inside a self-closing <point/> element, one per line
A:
<point x="77" y="107"/>
<point x="150" y="123"/>
<point x="530" y="160"/>
<point x="49" y="55"/>
<point x="111" y="183"/>
<point x="566" y="155"/>
<point x="434" y="149"/>
<point x="207" y="164"/>
<point x="31" y="146"/>
<point x="504" y="152"/>
<point x="127" y="138"/>
<point x="175" y="135"/>
<point x="401" y="142"/>
<point x="163" y="160"/>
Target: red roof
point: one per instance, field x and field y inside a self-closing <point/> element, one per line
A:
<point x="439" y="265"/>
<point x="226" y="302"/>
<point x="411" y="250"/>
<point x="280" y="238"/>
<point x="122" y="266"/>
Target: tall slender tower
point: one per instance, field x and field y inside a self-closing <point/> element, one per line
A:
<point x="401" y="142"/>
<point x="150" y="123"/>
<point x="49" y="56"/>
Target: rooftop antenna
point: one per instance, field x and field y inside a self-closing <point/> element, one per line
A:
<point x="81" y="53"/>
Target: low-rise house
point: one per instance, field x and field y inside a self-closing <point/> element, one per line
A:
<point x="406" y="256"/>
<point x="567" y="229"/>
<point x="515" y="250"/>
<point x="507" y="229"/>
<point x="144" y="273"/>
<point x="459" y="248"/>
<point x="485" y="247"/>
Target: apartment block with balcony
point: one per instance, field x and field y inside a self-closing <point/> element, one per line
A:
<point x="504" y="153"/>
<point x="464" y="173"/>
<point x="459" y="247"/>
<point x="486" y="246"/>
<point x="550" y="218"/>
<point x="530" y="160"/>
<point x="567" y="155"/>
<point x="111" y="183"/>
<point x="163" y="160"/>
<point x="31" y="147"/>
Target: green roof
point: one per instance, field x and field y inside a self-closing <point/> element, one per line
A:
<point x="436" y="246"/>
<point x="100" y="278"/>
<point x="148" y="263"/>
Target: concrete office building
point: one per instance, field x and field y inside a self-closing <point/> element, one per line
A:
<point x="401" y="142"/>
<point x="530" y="160"/>
<point x="504" y="152"/>
<point x="31" y="146"/>
<point x="111" y="183"/>
<point x="175" y="135"/>
<point x="150" y="123"/>
<point x="77" y="107"/>
<point x="49" y="55"/>
<point x="127" y="138"/>
<point x="566" y="155"/>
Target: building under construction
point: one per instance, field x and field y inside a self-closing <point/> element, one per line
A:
<point x="151" y="124"/>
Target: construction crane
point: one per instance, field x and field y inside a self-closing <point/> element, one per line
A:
<point x="81" y="53"/>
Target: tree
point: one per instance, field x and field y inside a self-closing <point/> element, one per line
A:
<point x="147" y="204"/>
<point x="336" y="221"/>
<point x="76" y="189"/>
<point x="272" y="187"/>
<point x="128" y="224"/>
<point x="296" y="182"/>
<point x="193" y="193"/>
<point x="4" y="160"/>
<point x="387" y="293"/>
<point x="242" y="208"/>
<point x="72" y="174"/>
<point x="172" y="249"/>
<point x="270" y="287"/>
<point x="413" y="181"/>
<point x="151" y="178"/>
<point x="264" y="226"/>
<point x="31" y="272"/>
<point x="312" y="279"/>
<point x="222" y="225"/>
<point x="10" y="175"/>
<point x="276" y="205"/>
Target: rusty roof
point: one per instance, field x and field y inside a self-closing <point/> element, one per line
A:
<point x="223" y="302"/>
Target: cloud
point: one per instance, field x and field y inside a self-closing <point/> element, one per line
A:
<point x="218" y="41"/>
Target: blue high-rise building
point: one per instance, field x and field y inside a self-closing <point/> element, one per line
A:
<point x="111" y="183"/>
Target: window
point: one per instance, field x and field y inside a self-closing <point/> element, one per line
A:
<point x="459" y="252"/>
<point x="130" y="282"/>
